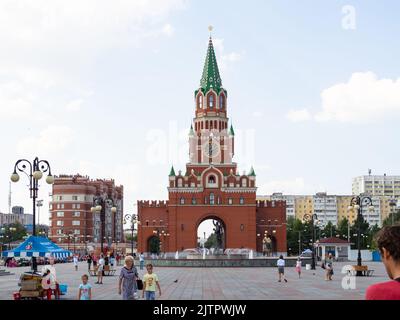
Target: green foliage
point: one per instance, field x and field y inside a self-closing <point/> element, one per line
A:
<point x="393" y="218"/>
<point x="211" y="241"/>
<point x="11" y="235"/>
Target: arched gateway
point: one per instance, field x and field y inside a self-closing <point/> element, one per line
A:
<point x="211" y="183"/>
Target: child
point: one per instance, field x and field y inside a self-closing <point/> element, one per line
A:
<point x="298" y="266"/>
<point x="76" y="262"/>
<point x="281" y="268"/>
<point x="85" y="289"/>
<point x="150" y="280"/>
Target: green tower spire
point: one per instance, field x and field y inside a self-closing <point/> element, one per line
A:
<point x="211" y="78"/>
<point x="252" y="172"/>
<point x="231" y="131"/>
<point x="172" y="173"/>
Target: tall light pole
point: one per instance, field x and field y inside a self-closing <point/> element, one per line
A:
<point x="99" y="206"/>
<point x="133" y="220"/>
<point x="34" y="171"/>
<point x="311" y="218"/>
<point x="392" y="204"/>
<point x="39" y="204"/>
<point x="358" y="203"/>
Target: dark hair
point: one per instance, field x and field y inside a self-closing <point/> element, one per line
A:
<point x="281" y="257"/>
<point x="85" y="276"/>
<point x="389" y="238"/>
<point x="149" y="265"/>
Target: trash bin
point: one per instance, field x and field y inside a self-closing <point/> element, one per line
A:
<point x="308" y="266"/>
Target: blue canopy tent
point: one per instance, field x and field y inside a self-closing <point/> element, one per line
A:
<point x="37" y="247"/>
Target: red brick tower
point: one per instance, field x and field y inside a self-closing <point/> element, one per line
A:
<point x="211" y="187"/>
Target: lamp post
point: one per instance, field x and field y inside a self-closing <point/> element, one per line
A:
<point x="392" y="204"/>
<point x="99" y="206"/>
<point x="34" y="171"/>
<point x="133" y="219"/>
<point x="311" y="218"/>
<point x="358" y="203"/>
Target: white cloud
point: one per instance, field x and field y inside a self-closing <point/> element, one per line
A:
<point x="298" y="115"/>
<point x="293" y="186"/>
<point x="224" y="59"/>
<point x="168" y="30"/>
<point x="50" y="141"/>
<point x="74" y="105"/>
<point x="364" y="98"/>
<point x="89" y="22"/>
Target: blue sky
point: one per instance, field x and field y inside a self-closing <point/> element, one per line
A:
<point x="106" y="89"/>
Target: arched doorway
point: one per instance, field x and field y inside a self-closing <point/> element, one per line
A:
<point x="153" y="245"/>
<point x="211" y="234"/>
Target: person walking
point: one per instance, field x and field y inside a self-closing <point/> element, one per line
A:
<point x="85" y="289"/>
<point x="281" y="269"/>
<point x="141" y="260"/>
<point x="150" y="280"/>
<point x="298" y="266"/>
<point x="328" y="267"/>
<point x="75" y="259"/>
<point x="89" y="261"/>
<point x="127" y="280"/>
<point x="388" y="240"/>
<point x="100" y="269"/>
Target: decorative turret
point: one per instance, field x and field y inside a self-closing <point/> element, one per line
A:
<point x="252" y="172"/>
<point x="191" y="132"/>
<point x="172" y="172"/>
<point x="231" y="131"/>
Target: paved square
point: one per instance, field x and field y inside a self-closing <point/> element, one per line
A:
<point x="217" y="283"/>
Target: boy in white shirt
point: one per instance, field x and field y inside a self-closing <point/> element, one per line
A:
<point x="281" y="269"/>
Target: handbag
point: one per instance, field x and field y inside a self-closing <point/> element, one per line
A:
<point x="323" y="265"/>
<point x="139" y="284"/>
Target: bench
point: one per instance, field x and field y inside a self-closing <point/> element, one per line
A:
<point x="364" y="270"/>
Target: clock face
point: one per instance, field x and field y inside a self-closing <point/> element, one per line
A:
<point x="212" y="149"/>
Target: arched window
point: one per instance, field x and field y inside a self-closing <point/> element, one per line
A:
<point x="221" y="102"/>
<point x="244" y="182"/>
<point x="230" y="201"/>
<point x="180" y="183"/>
<point x="241" y="201"/>
<point x="182" y="200"/>
<point x="194" y="201"/>
<point x="211" y="101"/>
<point x="212" y="198"/>
<point x="211" y="179"/>
<point x="200" y="102"/>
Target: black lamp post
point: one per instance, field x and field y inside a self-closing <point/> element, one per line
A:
<point x="34" y="171"/>
<point x="358" y="203"/>
<point x="99" y="205"/>
<point x="133" y="219"/>
<point x="311" y="218"/>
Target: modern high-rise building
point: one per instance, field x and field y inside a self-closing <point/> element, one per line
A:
<point x="73" y="224"/>
<point x="377" y="185"/>
<point x="17" y="216"/>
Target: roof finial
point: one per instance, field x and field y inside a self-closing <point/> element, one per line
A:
<point x="210" y="28"/>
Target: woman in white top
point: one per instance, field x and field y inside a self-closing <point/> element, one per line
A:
<point x="100" y="270"/>
<point x="75" y="259"/>
<point x="281" y="268"/>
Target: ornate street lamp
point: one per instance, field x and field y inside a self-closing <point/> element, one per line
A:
<point x="133" y="219"/>
<point x="311" y="218"/>
<point x="99" y="205"/>
<point x="358" y="203"/>
<point x="34" y="171"/>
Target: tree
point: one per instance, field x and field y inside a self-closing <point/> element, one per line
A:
<point x="362" y="225"/>
<point x="343" y="228"/>
<point x="393" y="218"/>
<point x="297" y="230"/>
<point x="211" y="241"/>
<point x="14" y="235"/>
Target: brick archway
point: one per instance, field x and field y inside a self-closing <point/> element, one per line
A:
<point x="211" y="216"/>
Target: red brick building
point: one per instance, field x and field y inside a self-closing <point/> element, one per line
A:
<point x="211" y="186"/>
<point x="73" y="224"/>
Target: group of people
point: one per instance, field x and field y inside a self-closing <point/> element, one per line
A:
<point x="327" y="264"/>
<point x="129" y="283"/>
<point x="388" y="240"/>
